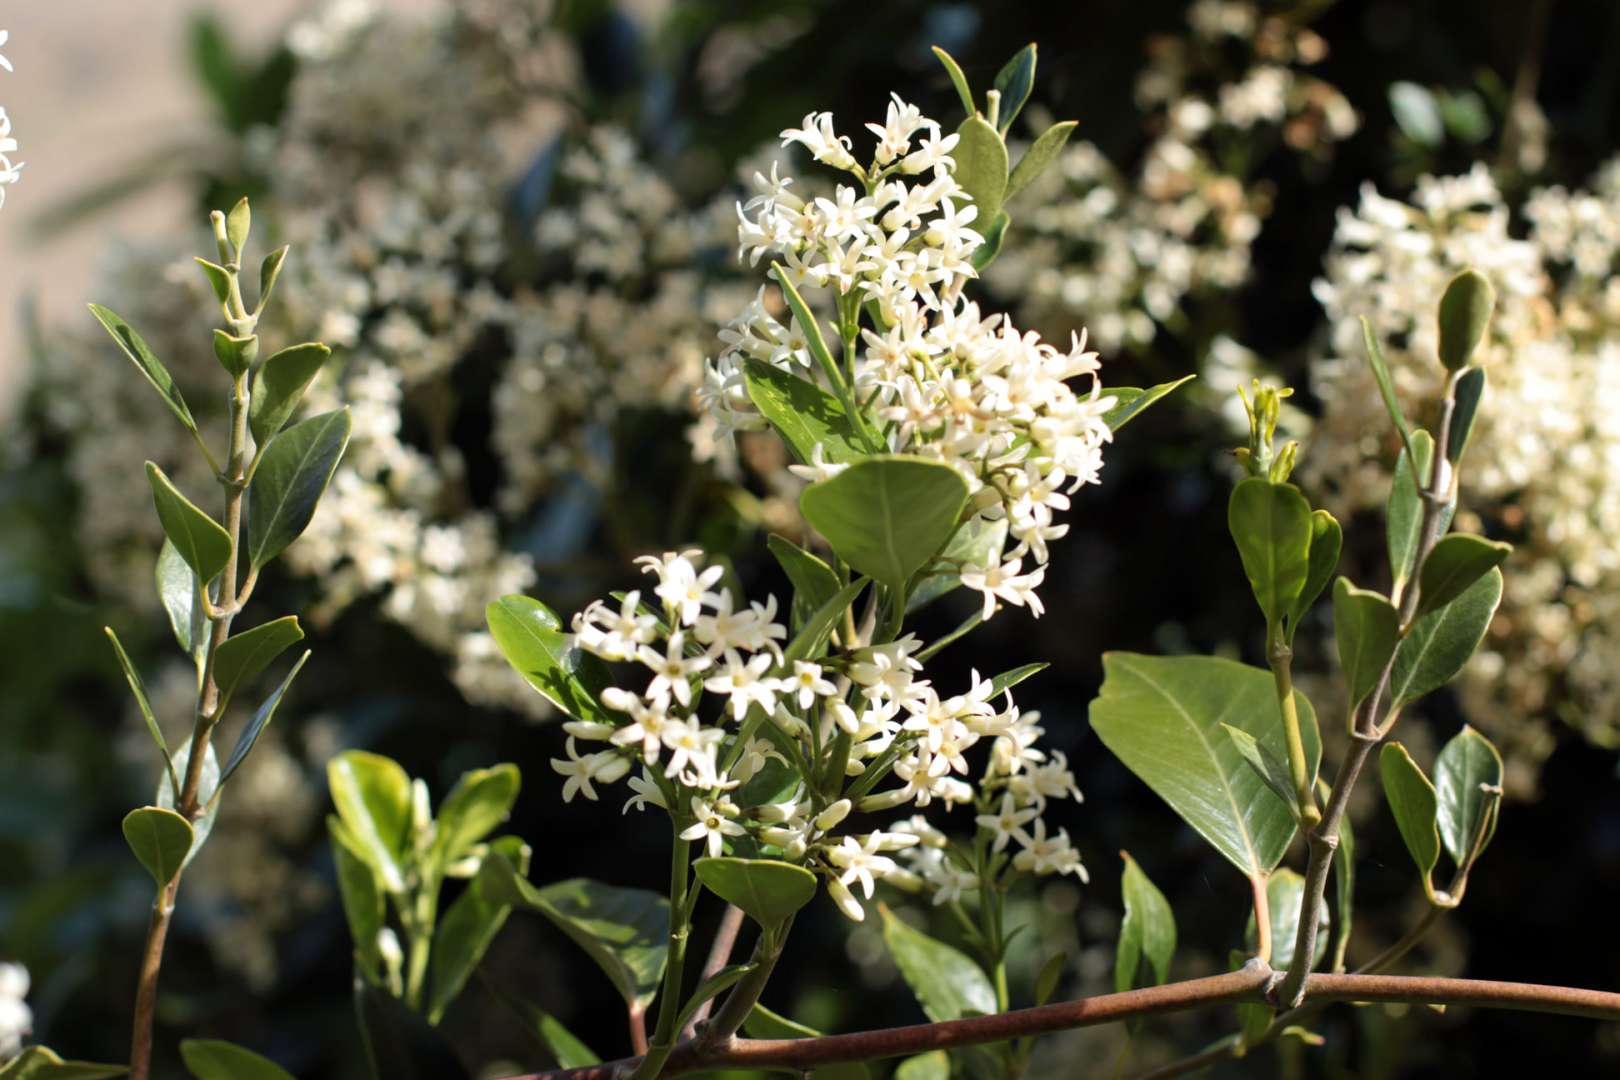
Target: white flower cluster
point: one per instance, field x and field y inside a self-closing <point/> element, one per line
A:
<point x="937" y="378"/>
<point x="776" y="720"/>
<point x="1542" y="463"/>
<point x="10" y="171"/>
<point x="1126" y="253"/>
<point x="16" y="1019"/>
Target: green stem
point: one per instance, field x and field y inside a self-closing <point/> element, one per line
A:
<point x="669" y="997"/>
<point x="1282" y="672"/>
<point x="745" y="995"/>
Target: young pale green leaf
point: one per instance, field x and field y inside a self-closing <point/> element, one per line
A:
<point x="160" y="839"/>
<point x="148" y="365"/>
<point x="468" y="928"/>
<point x="1403" y="514"/>
<point x="811" y="640"/>
<point x="1131" y="401"/>
<point x="360" y="889"/>
<point x="976" y="542"/>
<point x="1162" y="717"/>
<point x="1440" y="643"/>
<point x="1468" y="394"/>
<point x="1050" y="975"/>
<point x="280" y="384"/>
<point x="1039" y="157"/>
<point x="1386" y="385"/>
<point x="1015" y="81"/>
<point x="1009" y="679"/>
<point x="1272" y="527"/>
<point x="995" y="235"/>
<point x="218" y="277"/>
<point x="181" y="595"/>
<point x="768" y="891"/>
<point x="215" y="1059"/>
<point x="981" y="166"/>
<point x="260" y="720"/>
<point x="1411" y="798"/>
<point x="1326" y="541"/>
<point x="563" y="1045"/>
<point x="400" y="1044"/>
<point x="948" y="984"/>
<point x="207" y="788"/>
<point x="373" y="798"/>
<point x="623" y="930"/>
<point x="290" y="480"/>
<point x="814" y="582"/>
<point x="1285" y="895"/>
<point x="238" y="223"/>
<point x="534" y="643"/>
<point x="42" y="1063"/>
<point x="269" y="271"/>
<point x="235" y="354"/>
<point x="201" y="540"/>
<point x="1271" y="769"/>
<point x="1368" y="629"/>
<point x="804" y="414"/>
<point x="138" y="688"/>
<point x="1465" y="315"/>
<point x="481" y="800"/>
<point x="1147" y="934"/>
<point x="713" y="987"/>
<point x="241" y="657"/>
<point x="888" y="515"/>
<point x="958" y="80"/>
<point x="934" y="1065"/>
<point x="1454" y="563"/>
<point x="1468" y="785"/>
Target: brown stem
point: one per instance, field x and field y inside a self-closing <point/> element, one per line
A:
<point x="140" y="1048"/>
<point x="638" y="1029"/>
<point x="1262" y="918"/>
<point x="725" y="940"/>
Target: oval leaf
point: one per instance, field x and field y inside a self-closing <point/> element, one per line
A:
<point x="1454" y="563"/>
<point x="1411" y="798"/>
<point x="1468" y="786"/>
<point x="1326" y="541"/>
<point x="160" y="839"/>
<point x="373" y="798"/>
<point x="1014" y="82"/>
<point x="1039" y="157"/>
<point x="481" y="800"/>
<point x="887" y="516"/>
<point x="138" y="688"/>
<point x="1465" y="315"/>
<point x="1272" y="527"/>
<point x="1440" y="643"/>
<point x="181" y="596"/>
<point x="280" y="386"/>
<point x="1368" y="628"/>
<point x="947" y="983"/>
<point x="215" y="1059"/>
<point x="981" y="166"/>
<point x="241" y="657"/>
<point x="201" y="541"/>
<point x="803" y="413"/>
<point x="958" y="80"/>
<point x="360" y="889"/>
<point x="768" y="891"/>
<point x="533" y="642"/>
<point x="1470" y="389"/>
<point x="1285" y="895"/>
<point x="1147" y="934"/>
<point x="290" y="480"/>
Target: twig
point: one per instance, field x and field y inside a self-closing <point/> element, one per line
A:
<point x="725" y="940"/>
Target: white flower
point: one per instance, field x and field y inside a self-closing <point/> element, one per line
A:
<point x="5" y="35"/>
<point x="680" y="586"/>
<point x="825" y="144"/>
<point x="1007" y="823"/>
<point x="602" y="767"/>
<point x="1003" y="580"/>
<point x="646" y="792"/>
<point x="808" y="683"/>
<point x="672" y="669"/>
<point x="16" y="1019"/>
<point x="745" y="683"/>
<point x="714" y="823"/>
<point x="845" y="900"/>
<point x="860" y="862"/>
<point x="615" y="635"/>
<point x="932" y="154"/>
<point x="819" y="468"/>
<point x="1054" y="855"/>
<point x="692" y="752"/>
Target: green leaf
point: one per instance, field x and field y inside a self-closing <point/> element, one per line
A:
<point x="978" y="542"/>
<point x="1416" y="114"/>
<point x="201" y="541"/>
<point x="1468" y="783"/>
<point x="241" y="657"/>
<point x="1386" y="385"/>
<point x="1271" y="769"/>
<point x="468" y="928"/>
<point x="811" y="640"/>
<point x="713" y="987"/>
<point x="1162" y="717"/>
<point x="1454" y="564"/>
<point x="160" y="839"/>
<point x="1272" y="527"/>
<point x="181" y="595"/>
<point x="817" y="344"/>
<point x="1411" y="798"/>
<point x="1147" y="934"/>
<point x="290" y="480"/>
<point x="360" y="888"/>
<point x="995" y="235"/>
<point x="958" y="80"/>
<point x="269" y="271"/>
<point x="148" y="365"/>
<point x="1015" y="81"/>
<point x="1465" y="316"/>
<point x="1468" y="394"/>
<point x="373" y="797"/>
<point x="623" y="930"/>
<point x="1368" y="629"/>
<point x="1040" y="156"/>
<point x="481" y="800"/>
<point x="1326" y="541"/>
<point x="768" y="891"/>
<point x="1440" y="643"/>
<point x="948" y="984"/>
<point x="260" y="720"/>
<point x="1403" y="515"/>
<point x="207" y="789"/>
<point x="563" y="1045"/>
<point x="215" y="1059"/>
<point x="235" y="354"/>
<point x="1285" y="896"/>
<point x="138" y="688"/>
<point x="981" y="166"/>
<point x="237" y="224"/>
<point x="280" y="385"/>
<point x="934" y="1065"/>
<point x="1009" y="679"/>
<point x="1131" y="401"/>
<point x="887" y="516"/>
<point x="41" y="1063"/>
<point x="803" y="413"/>
<point x="534" y="643"/>
<point x="1051" y="973"/>
<point x="400" y="1044"/>
<point x="814" y="582"/>
<point x="218" y="277"/>
<point x="762" y="1023"/>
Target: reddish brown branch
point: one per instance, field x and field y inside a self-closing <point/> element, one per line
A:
<point x="725" y="941"/>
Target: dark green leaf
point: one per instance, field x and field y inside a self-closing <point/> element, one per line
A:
<point x="1386" y="385"/>
<point x="564" y="1047"/>
<point x="1403" y="516"/>
<point x="160" y="839"/>
<point x="1271" y="769"/>
<point x="241" y="657"/>
<point x="1131" y="401"/>
<point x="1040" y="156"/>
<point x="1009" y="679"/>
<point x="768" y="891"/>
<point x="534" y="643"/>
<point x="995" y="235"/>
<point x="138" y="688"/>
<point x="814" y="582"/>
<point x="1465" y="315"/>
<point x="976" y="542"/>
<point x="280" y="385"/>
<point x="148" y="365"/>
<point x="1440" y="643"/>
<point x="260" y="720"/>
<point x="948" y="985"/>
<point x="712" y="987"/>
<point x="1051" y="973"/>
<point x="887" y="516"/>
<point x="201" y="541"/>
<point x="807" y="322"/>
<point x="360" y="888"/>
<point x="981" y="166"/>
<point x="1147" y="934"/>
<point x="41" y="1063"/>
<point x="1368" y="628"/>
<point x="207" y="788"/>
<point x="290" y="480"/>
<point x="1454" y="564"/>
<point x="1411" y="798"/>
<point x="373" y="797"/>
<point x="1468" y="783"/>
<point x="467" y="929"/>
<point x="399" y="1044"/>
<point x="803" y="413"/>
<point x="811" y="640"/>
<point x="181" y="596"/>
<point x="1272" y="527"/>
<point x="215" y="1059"/>
<point x="958" y="80"/>
<point x="1326" y="540"/>
<point x="1015" y="81"/>
<point x="1470" y="390"/>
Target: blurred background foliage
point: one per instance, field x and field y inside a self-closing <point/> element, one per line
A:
<point x="514" y="221"/>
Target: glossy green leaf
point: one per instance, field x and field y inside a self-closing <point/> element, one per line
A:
<point x="1271" y="769"/>
<point x="1009" y="679"/>
<point x="42" y="1063"/>
<point x="887" y="516"/>
<point x="241" y="657"/>
<point x="1326" y="541"/>
<point x="712" y="987"/>
<point x="534" y="643"/>
<point x="981" y="166"/>
<point x="1403" y="515"/>
<point x="1470" y="391"/>
<point x="804" y="414"/>
<point x="1039" y="157"/>
<point x="148" y="365"/>
<point x="1465" y="316"/>
<point x="215" y="1059"/>
<point x="259" y="721"/>
<point x="1162" y="717"/>
<point x="958" y="80"/>
<point x="373" y="798"/>
<point x="360" y="889"/>
<point x="995" y="235"/>
<point x="481" y="800"/>
<point x="1285" y="896"/>
<point x="290" y="480"/>
<point x="810" y="326"/>
<point x="934" y="1065"/>
<point x="235" y="354"/>
<point x="1050" y="975"/>
<point x="160" y="839"/>
<point x="1440" y="643"/>
<point x="201" y="541"/>
<point x="218" y="277"/>
<point x="238" y="223"/>
<point x="1272" y="527"/>
<point x="814" y="582"/>
<point x="768" y="891"/>
<point x="948" y="985"/>
<point x="269" y="271"/>
<point x="400" y="1044"/>
<point x="811" y="640"/>
<point x="1131" y="401"/>
<point x="207" y="788"/>
<point x="1147" y="934"/>
<point x="138" y="688"/>
<point x="563" y="1045"/>
<point x="1454" y="564"/>
<point x="181" y="597"/>
<point x="977" y="542"/>
<point x="1368" y="629"/>
<point x="1386" y="385"/>
<point x="280" y="384"/>
<point x="1015" y="81"/>
<point x="623" y="930"/>
<point x="1412" y="800"/>
<point x="1468" y="789"/>
<point x="468" y="928"/>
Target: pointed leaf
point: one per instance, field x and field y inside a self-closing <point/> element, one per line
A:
<point x="41" y="1063"/>
<point x="888" y="515"/>
<point x="1285" y="896"/>
<point x="981" y="166"/>
<point x="480" y="801"/>
<point x="400" y="1044"/>
<point x="995" y="235"/>
<point x="466" y="931"/>
<point x="1271" y="769"/>
<point x="280" y="385"/>
<point x="373" y="798"/>
<point x="1440" y="643"/>
<point x="1368" y="629"/>
<point x="360" y="889"/>
<point x="1040" y="156"/>
<point x="241" y="657"/>
<point x="207" y="788"/>
<point x="1386" y="385"/>
<point x="269" y="271"/>
<point x="1147" y="934"/>
<point x="712" y="987"/>
<point x="235" y="354"/>
<point x="218" y="277"/>
<point x="534" y="643"/>
<point x="1326" y="541"/>
<point x="947" y="983"/>
<point x="215" y="1059"/>
<point x="978" y="542"/>
<point x="958" y="80"/>
<point x="1009" y="679"/>
<point x="1015" y="81"/>
<point x="814" y="582"/>
<point x="1454" y="564"/>
<point x="201" y="541"/>
<point x="238" y="223"/>
<point x="1272" y="527"/>
<point x="160" y="839"/>
<point x="1411" y="799"/>
<point x="768" y="891"/>
<point x="1051" y="973"/>
<point x="811" y="640"/>
<point x="148" y="365"/>
<point x="1403" y="516"/>
<point x="1468" y="786"/>
<point x="563" y="1045"/>
<point x="138" y="688"/>
<point x="260" y="720"/>
<point x="803" y="413"/>
<point x="290" y="480"/>
<point x="1470" y="390"/>
<point x="1162" y="717"/>
<point x="181" y="596"/>
<point x="1131" y="401"/>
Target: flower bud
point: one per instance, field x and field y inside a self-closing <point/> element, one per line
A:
<point x="845" y="900"/>
<point x="830" y="817"/>
<point x="1465" y="315"/>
